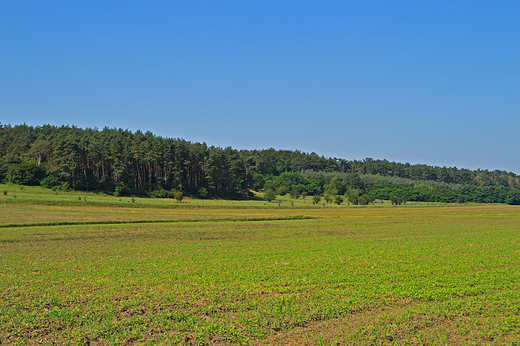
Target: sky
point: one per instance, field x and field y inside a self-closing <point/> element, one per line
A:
<point x="430" y="82"/>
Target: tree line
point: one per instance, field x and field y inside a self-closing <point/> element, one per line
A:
<point x="119" y="161"/>
<point x="123" y="163"/>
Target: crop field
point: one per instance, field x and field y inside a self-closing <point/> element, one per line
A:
<point x="83" y="269"/>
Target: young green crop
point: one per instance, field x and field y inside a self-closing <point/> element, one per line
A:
<point x="358" y="275"/>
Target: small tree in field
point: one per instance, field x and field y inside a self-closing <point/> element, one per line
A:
<point x="269" y="195"/>
<point x="365" y="200"/>
<point x="338" y="200"/>
<point x="282" y="191"/>
<point x="396" y="200"/>
<point x="178" y="195"/>
<point x="304" y="194"/>
<point x="352" y="195"/>
<point x="353" y="199"/>
<point x="316" y="199"/>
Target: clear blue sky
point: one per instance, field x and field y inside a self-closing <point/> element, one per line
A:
<point x="434" y="82"/>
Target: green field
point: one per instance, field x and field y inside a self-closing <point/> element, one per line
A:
<point x="104" y="270"/>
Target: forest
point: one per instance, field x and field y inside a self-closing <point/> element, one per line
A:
<point x="119" y="162"/>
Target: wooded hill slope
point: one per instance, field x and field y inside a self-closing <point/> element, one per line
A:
<point x="122" y="162"/>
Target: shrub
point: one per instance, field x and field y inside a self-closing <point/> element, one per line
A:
<point x="26" y="173"/>
<point x="364" y="199"/>
<point x="178" y="195"/>
<point x="162" y="194"/>
<point x="122" y="189"/>
<point x="281" y="191"/>
<point x="354" y="199"/>
<point x="269" y="195"/>
<point x="203" y="192"/>
<point x="396" y="200"/>
<point x="328" y="198"/>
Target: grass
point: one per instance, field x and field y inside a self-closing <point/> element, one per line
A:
<point x="231" y="274"/>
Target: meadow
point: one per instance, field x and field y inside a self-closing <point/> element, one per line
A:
<point x="80" y="269"/>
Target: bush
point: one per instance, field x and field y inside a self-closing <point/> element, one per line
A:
<point x="49" y="182"/>
<point x="122" y="189"/>
<point x="26" y="173"/>
<point x="316" y="199"/>
<point x="396" y="200"/>
<point x="178" y="196"/>
<point x="162" y="194"/>
<point x="269" y="195"/>
<point x="203" y="192"/>
<point x="328" y="198"/>
<point x="295" y="193"/>
<point x="281" y="191"/>
<point x="365" y="200"/>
